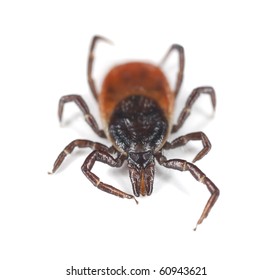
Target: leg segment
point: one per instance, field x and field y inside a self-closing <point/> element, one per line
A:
<point x="78" y="100"/>
<point x="190" y="101"/>
<point x="106" y="158"/>
<point x="183" y="165"/>
<point x="91" y="81"/>
<point x="183" y="140"/>
<point x="79" y="144"/>
<point x="180" y="50"/>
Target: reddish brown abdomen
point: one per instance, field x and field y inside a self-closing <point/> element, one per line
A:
<point x="134" y="78"/>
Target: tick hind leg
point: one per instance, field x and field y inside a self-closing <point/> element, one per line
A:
<point x="78" y="100"/>
<point x="183" y="165"/>
<point x="106" y="158"/>
<point x="181" y="62"/>
<point x="189" y="103"/>
<point x="183" y="140"/>
<point x="91" y="81"/>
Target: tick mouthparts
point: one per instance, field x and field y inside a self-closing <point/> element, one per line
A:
<point x="141" y="186"/>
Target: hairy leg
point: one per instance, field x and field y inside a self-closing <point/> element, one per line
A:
<point x="91" y="81"/>
<point x="106" y="158"/>
<point x="79" y="143"/>
<point x="183" y="165"/>
<point x="181" y="61"/>
<point x="89" y="118"/>
<point x="183" y="140"/>
<point x="189" y="103"/>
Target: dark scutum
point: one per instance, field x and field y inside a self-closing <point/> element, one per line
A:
<point x="138" y="124"/>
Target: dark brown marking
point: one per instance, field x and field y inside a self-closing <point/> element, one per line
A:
<point x="136" y="105"/>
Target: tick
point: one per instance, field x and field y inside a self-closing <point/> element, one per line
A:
<point x="136" y="105"/>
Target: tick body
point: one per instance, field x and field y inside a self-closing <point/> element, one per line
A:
<point x="136" y="105"/>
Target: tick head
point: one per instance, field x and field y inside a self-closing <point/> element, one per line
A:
<point x="141" y="171"/>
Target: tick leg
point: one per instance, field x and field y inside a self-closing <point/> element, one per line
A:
<point x="190" y="101"/>
<point x="79" y="143"/>
<point x="183" y="140"/>
<point x="78" y="100"/>
<point x="91" y="81"/>
<point x="181" y="61"/>
<point x="183" y="165"/>
<point x="106" y="158"/>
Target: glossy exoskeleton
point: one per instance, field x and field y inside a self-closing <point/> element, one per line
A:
<point x="136" y="106"/>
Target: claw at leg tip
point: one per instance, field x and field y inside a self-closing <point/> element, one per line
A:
<point x="134" y="199"/>
<point x="196" y="226"/>
<point x="51" y="172"/>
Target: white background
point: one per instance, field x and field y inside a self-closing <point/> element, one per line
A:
<point x="49" y="223"/>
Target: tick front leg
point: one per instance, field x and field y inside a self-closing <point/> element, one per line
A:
<point x="183" y="165"/>
<point x="181" y="62"/>
<point x="79" y="143"/>
<point x="78" y="100"/>
<point x="183" y="140"/>
<point x="106" y="158"/>
<point x="91" y="81"/>
<point x="189" y="103"/>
